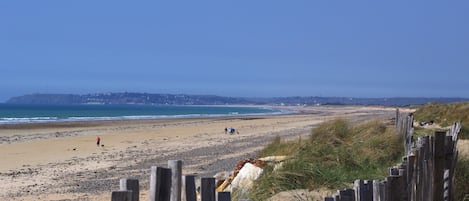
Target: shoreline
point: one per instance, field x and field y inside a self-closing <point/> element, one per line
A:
<point x="40" y="164"/>
<point x="274" y="110"/>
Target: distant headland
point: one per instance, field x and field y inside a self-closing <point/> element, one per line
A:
<point x="185" y="99"/>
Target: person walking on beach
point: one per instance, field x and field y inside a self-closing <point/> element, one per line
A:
<point x="98" y="140"/>
<point x="226" y="130"/>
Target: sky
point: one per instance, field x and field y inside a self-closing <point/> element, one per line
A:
<point x="260" y="48"/>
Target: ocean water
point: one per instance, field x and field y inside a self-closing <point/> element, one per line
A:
<point x="14" y="114"/>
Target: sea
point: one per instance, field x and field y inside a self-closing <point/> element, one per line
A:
<point x="20" y="113"/>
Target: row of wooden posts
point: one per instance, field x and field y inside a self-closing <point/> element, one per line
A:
<point x="426" y="172"/>
<point x="168" y="184"/>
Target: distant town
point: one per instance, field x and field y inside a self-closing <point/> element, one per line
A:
<point x="184" y="99"/>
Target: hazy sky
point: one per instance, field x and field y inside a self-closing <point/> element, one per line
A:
<point x="244" y="48"/>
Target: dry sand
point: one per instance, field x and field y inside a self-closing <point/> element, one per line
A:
<point x="60" y="161"/>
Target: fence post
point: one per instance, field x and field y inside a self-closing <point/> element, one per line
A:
<point x="160" y="184"/>
<point x="376" y="191"/>
<point x="130" y="184"/>
<point x="208" y="189"/>
<point x="369" y="190"/>
<point x="438" y="165"/>
<point x="411" y="177"/>
<point x="426" y="170"/>
<point x="121" y="196"/>
<point x="363" y="190"/>
<point x="224" y="196"/>
<point x="358" y="186"/>
<point x="347" y="195"/>
<point x="394" y="188"/>
<point x="188" y="188"/>
<point x="449" y="167"/>
<point x="176" y="173"/>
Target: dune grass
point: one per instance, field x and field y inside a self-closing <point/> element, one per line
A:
<point x="335" y="154"/>
<point x="462" y="178"/>
<point x="445" y="115"/>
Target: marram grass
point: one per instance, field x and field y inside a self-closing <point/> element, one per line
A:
<point x="336" y="154"/>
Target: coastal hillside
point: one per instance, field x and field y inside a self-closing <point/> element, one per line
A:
<point x="185" y="99"/>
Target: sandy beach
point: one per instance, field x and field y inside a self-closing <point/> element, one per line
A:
<point x="60" y="161"/>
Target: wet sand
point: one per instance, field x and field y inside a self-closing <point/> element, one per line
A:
<point x="60" y="161"/>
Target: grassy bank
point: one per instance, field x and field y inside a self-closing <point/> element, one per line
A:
<point x="462" y="179"/>
<point x="335" y="154"/>
<point x="445" y="115"/>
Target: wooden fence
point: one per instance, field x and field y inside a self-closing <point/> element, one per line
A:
<point x="168" y="184"/>
<point x="426" y="172"/>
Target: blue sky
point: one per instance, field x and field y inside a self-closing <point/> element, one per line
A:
<point x="236" y="48"/>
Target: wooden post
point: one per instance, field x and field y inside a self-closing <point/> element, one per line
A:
<point x="427" y="168"/>
<point x="131" y="184"/>
<point x="363" y="190"/>
<point x="358" y="186"/>
<point x="224" y="196"/>
<point x="337" y="196"/>
<point x="411" y="177"/>
<point x="376" y="191"/>
<point x="188" y="188"/>
<point x="394" y="188"/>
<point x="153" y="187"/>
<point x="438" y="165"/>
<point x="121" y="196"/>
<point x="160" y="184"/>
<point x="347" y="195"/>
<point x="208" y="189"/>
<point x="449" y="167"/>
<point x="176" y="173"/>
<point x="368" y="190"/>
<point x="382" y="191"/>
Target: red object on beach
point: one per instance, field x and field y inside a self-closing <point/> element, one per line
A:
<point x="98" y="140"/>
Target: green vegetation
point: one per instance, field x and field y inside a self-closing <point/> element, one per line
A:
<point x="335" y="155"/>
<point x="446" y="115"/>
<point x="422" y="131"/>
<point x="277" y="148"/>
<point x="462" y="178"/>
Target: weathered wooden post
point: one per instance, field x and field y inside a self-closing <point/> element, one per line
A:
<point x="359" y="187"/>
<point x="188" y="188"/>
<point x="208" y="189"/>
<point x="394" y="188"/>
<point x="329" y="199"/>
<point x="411" y="176"/>
<point x="427" y="175"/>
<point x="176" y="174"/>
<point x="438" y="165"/>
<point x="369" y="190"/>
<point x="224" y="196"/>
<point x="160" y="184"/>
<point x="376" y="191"/>
<point x="131" y="184"/>
<point x="347" y="195"/>
<point x="121" y="196"/>
<point x="337" y="196"/>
